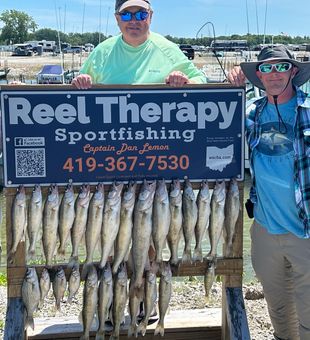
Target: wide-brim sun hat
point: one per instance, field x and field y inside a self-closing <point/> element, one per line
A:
<point x="120" y="5"/>
<point x="273" y="53"/>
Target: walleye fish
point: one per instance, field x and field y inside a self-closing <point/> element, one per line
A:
<point x="59" y="287"/>
<point x="134" y="308"/>
<point x="209" y="278"/>
<point x="35" y="214"/>
<point x="165" y="291"/>
<point x="74" y="283"/>
<point x="123" y="238"/>
<point x="149" y="299"/>
<point x="232" y="209"/>
<point x="111" y="221"/>
<point x="105" y="299"/>
<point x="161" y="219"/>
<point x="90" y="299"/>
<point x="45" y="285"/>
<point x="175" y="228"/>
<point x="30" y="295"/>
<point x="142" y="231"/>
<point x="204" y="210"/>
<point x="19" y="221"/>
<point x="79" y="224"/>
<point x="94" y="222"/>
<point x="50" y="224"/>
<point x="217" y="217"/>
<point x="66" y="218"/>
<point x="190" y="214"/>
<point x="119" y="300"/>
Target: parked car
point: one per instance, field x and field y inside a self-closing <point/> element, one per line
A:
<point x="73" y="49"/>
<point x="89" y="47"/>
<point x="187" y="50"/>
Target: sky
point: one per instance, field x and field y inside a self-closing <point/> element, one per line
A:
<point x="178" y="18"/>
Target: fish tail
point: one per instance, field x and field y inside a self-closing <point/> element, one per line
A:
<point x="57" y="308"/>
<point x="61" y="250"/>
<point x="85" y="270"/>
<point x="207" y="299"/>
<point x="138" y="291"/>
<point x="11" y="255"/>
<point x="114" y="336"/>
<point x="159" y="257"/>
<point x="29" y="322"/>
<point x="69" y="300"/>
<point x="73" y="261"/>
<point x="174" y="260"/>
<point x="84" y="337"/>
<point x="31" y="252"/>
<point x="229" y="250"/>
<point x="159" y="329"/>
<point x="100" y="335"/>
<point x="198" y="254"/>
<point x="115" y="267"/>
<point x="132" y="331"/>
<point x="210" y="256"/>
<point x="40" y="305"/>
<point x="142" y="328"/>
<point x="102" y="263"/>
<point x="187" y="256"/>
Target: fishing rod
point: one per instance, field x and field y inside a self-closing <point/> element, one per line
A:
<point x="214" y="48"/>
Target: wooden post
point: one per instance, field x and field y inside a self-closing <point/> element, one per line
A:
<point x="14" y="324"/>
<point x="235" y="315"/>
<point x="235" y="280"/>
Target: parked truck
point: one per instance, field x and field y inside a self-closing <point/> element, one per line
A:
<point x="22" y="50"/>
<point x="188" y="50"/>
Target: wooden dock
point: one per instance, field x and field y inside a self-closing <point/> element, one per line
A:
<point x="179" y="325"/>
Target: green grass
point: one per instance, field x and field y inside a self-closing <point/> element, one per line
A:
<point x="3" y="279"/>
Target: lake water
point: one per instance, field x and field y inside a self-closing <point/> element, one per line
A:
<point x="248" y="271"/>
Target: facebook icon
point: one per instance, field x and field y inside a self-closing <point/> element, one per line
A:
<point x="19" y="141"/>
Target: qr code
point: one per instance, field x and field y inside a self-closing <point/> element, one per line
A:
<point x="30" y="163"/>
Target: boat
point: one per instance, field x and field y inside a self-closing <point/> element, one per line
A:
<point x="70" y="74"/>
<point x="51" y="74"/>
<point x="214" y="73"/>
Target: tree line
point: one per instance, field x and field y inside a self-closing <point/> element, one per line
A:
<point x="19" y="27"/>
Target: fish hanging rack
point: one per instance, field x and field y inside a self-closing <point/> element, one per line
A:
<point x="234" y="322"/>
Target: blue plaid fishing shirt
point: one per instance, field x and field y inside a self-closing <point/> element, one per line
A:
<point x="301" y="145"/>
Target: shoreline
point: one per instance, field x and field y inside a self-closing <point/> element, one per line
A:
<point x="30" y="66"/>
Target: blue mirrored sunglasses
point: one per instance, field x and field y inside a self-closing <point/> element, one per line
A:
<point x="279" y="67"/>
<point x="139" y="16"/>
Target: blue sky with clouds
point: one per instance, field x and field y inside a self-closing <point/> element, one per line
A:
<point x="179" y="18"/>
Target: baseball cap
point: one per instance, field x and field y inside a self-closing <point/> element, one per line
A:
<point x="120" y="5"/>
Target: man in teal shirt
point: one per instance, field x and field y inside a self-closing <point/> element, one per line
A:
<point x="137" y="56"/>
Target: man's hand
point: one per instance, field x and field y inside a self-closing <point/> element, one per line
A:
<point x="236" y="76"/>
<point x="82" y="81"/>
<point x="176" y="79"/>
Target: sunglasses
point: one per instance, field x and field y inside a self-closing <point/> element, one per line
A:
<point x="139" y="16"/>
<point x="279" y="67"/>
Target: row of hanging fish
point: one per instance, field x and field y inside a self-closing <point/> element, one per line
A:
<point x="119" y="221"/>
<point x="105" y="297"/>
